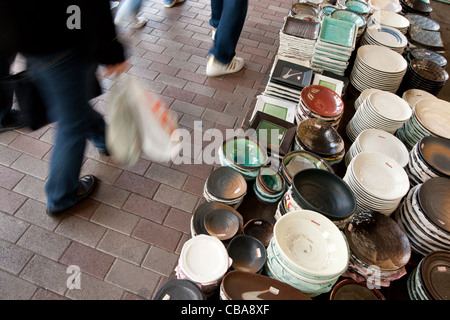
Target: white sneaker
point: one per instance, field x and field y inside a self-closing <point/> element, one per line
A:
<point x="138" y="23"/>
<point x="213" y="34"/>
<point x="214" y="68"/>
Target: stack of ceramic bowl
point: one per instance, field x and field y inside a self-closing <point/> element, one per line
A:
<point x="296" y="161"/>
<point x="389" y="19"/>
<point x="334" y="47"/>
<point x="416" y="6"/>
<point x="225" y="185"/>
<point x="319" y="102"/>
<point x="307" y="252"/>
<point x="425" y="215"/>
<point x="349" y="289"/>
<point x="382" y="110"/>
<point x="270" y="185"/>
<point x="378" y="141"/>
<point x="203" y="260"/>
<point x="321" y="138"/>
<point x="218" y="220"/>
<point x="426" y="75"/>
<point x="241" y="285"/>
<point x="378" y="67"/>
<point x="353" y="17"/>
<point x="379" y="249"/>
<point x="388" y="37"/>
<point x="178" y="289"/>
<point x="429" y="158"/>
<point x="412" y="96"/>
<point x="323" y="192"/>
<point x="430" y="279"/>
<point x="359" y="6"/>
<point x="378" y="182"/>
<point x="363" y="96"/>
<point x="243" y="154"/>
<point x="422" y="53"/>
<point x="431" y="117"/>
<point x="247" y="253"/>
<point x="297" y="38"/>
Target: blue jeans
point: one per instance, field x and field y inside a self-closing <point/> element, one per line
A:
<point x="129" y="8"/>
<point x="64" y="81"/>
<point x="6" y="91"/>
<point x="228" y="17"/>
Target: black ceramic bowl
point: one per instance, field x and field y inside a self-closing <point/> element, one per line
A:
<point x="248" y="254"/>
<point x="179" y="289"/>
<point x="323" y="192"/>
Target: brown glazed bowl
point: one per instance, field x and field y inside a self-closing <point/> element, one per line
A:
<point x="260" y="229"/>
<point x="349" y="289"/>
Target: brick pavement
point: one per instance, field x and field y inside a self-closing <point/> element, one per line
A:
<point x="127" y="237"/>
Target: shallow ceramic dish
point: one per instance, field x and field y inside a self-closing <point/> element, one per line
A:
<point x="226" y="183"/>
<point x="260" y="229"/>
<point x="222" y="224"/>
<point x="349" y="289"/>
<point x="361" y="7"/>
<point x="296" y="161"/>
<point x="320" y="137"/>
<point x="434" y="199"/>
<point x="270" y="181"/>
<point x="434" y="116"/>
<point x="435" y="271"/>
<point x="377" y="240"/>
<point x="245" y="153"/>
<point x="198" y="218"/>
<point x="312" y="243"/>
<point x="248" y="253"/>
<point x="239" y="285"/>
<point x="323" y="192"/>
<point x="350" y="16"/>
<point x="338" y="32"/>
<point x="179" y="289"/>
<point x="436" y="153"/>
<point x="322" y="101"/>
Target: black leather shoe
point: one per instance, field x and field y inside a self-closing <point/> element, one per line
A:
<point x="85" y="188"/>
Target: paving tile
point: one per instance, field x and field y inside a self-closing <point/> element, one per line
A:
<point x="32" y="166"/>
<point x="101" y="170"/>
<point x="10" y="201"/>
<point x="137" y="184"/>
<point x="8" y="136"/>
<point x="8" y="155"/>
<point x="123" y="247"/>
<point x="32" y="187"/>
<point x="44" y="294"/>
<point x="81" y="230"/>
<point x="157" y="234"/>
<point x="44" y="242"/>
<point x="166" y="175"/>
<point x="33" y="211"/>
<point x="90" y="260"/>
<point x="9" y="178"/>
<point x="92" y="288"/>
<point x="110" y="194"/>
<point x="13" y="288"/>
<point x="133" y="278"/>
<point x="30" y="146"/>
<point x="116" y="219"/>
<point x="11" y="228"/>
<point x="179" y="220"/>
<point x="12" y="257"/>
<point x="160" y="261"/>
<point x="146" y="208"/>
<point x="176" y="198"/>
<point x="46" y="273"/>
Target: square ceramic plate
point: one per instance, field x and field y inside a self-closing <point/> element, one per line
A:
<point x="293" y="75"/>
<point x="279" y="108"/>
<point x="334" y="84"/>
<point x="338" y="32"/>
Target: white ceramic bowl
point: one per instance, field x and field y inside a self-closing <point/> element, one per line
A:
<point x="311" y="243"/>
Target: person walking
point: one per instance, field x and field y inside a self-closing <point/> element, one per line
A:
<point x="128" y="10"/>
<point x="227" y="20"/>
<point x="63" y="42"/>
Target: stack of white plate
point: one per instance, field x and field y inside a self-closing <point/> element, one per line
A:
<point x="378" y="141"/>
<point x="378" y="67"/>
<point x="389" y="19"/>
<point x="334" y="46"/>
<point x="431" y="117"/>
<point x="424" y="214"/>
<point x="386" y="5"/>
<point x="412" y="96"/>
<point x="381" y="110"/>
<point x="378" y="182"/>
<point x="307" y="251"/>
<point x="385" y="36"/>
<point x="363" y="96"/>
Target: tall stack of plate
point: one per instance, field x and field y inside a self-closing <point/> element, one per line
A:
<point x="378" y="182"/>
<point x="431" y="117"/>
<point x="389" y="19"/>
<point x="379" y="249"/>
<point x="378" y="67"/>
<point x="424" y="215"/>
<point x="334" y="47"/>
<point x="297" y="38"/>
<point x="363" y="96"/>
<point x="353" y="17"/>
<point x="412" y="96"/>
<point x="381" y="110"/>
<point x="385" y="5"/>
<point x="422" y="53"/>
<point x="426" y="75"/>
<point x="429" y="158"/>
<point x="385" y="36"/>
<point x="429" y="280"/>
<point x="307" y="251"/>
<point x="225" y="185"/>
<point x="319" y="102"/>
<point x="377" y="140"/>
<point x="416" y="6"/>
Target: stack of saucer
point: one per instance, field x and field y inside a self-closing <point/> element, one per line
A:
<point x="334" y="46"/>
<point x="389" y="19"/>
<point x="381" y="110"/>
